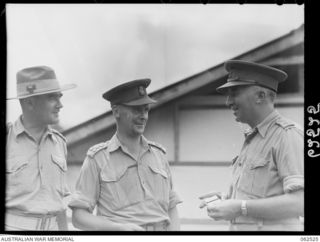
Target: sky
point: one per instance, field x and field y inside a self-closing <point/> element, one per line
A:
<point x="98" y="46"/>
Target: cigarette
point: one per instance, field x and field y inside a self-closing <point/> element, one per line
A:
<point x="206" y="201"/>
<point x="211" y="200"/>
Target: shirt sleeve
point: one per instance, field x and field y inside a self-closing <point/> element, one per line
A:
<point x="290" y="160"/>
<point x="87" y="187"/>
<point x="174" y="198"/>
<point x="65" y="189"/>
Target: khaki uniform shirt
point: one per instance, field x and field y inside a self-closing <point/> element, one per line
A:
<point x="124" y="189"/>
<point x="35" y="173"/>
<point x="270" y="163"/>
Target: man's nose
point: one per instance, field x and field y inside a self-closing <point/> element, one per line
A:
<point x="229" y="101"/>
<point x="59" y="104"/>
<point x="143" y="114"/>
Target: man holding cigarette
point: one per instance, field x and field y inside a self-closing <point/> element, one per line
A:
<point x="267" y="188"/>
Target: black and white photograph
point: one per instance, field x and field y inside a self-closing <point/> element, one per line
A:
<point x="155" y="117"/>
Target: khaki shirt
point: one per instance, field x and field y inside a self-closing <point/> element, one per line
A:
<point x="124" y="189"/>
<point x="271" y="163"/>
<point x="35" y="173"/>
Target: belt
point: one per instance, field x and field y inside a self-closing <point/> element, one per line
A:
<point x="274" y="227"/>
<point x="249" y="223"/>
<point x="160" y="226"/>
<point x="30" y="222"/>
<point x="251" y="220"/>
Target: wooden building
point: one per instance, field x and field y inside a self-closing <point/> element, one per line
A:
<point x="199" y="132"/>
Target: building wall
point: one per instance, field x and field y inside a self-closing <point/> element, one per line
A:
<point x="77" y="152"/>
<point x="205" y="134"/>
<point x="160" y="128"/>
<point x="214" y="135"/>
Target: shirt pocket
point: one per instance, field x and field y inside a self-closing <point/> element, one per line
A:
<point x="15" y="165"/>
<point x="120" y="187"/>
<point x="58" y="174"/>
<point x="255" y="178"/>
<point x="19" y="178"/>
<point x="60" y="162"/>
<point x="159" y="183"/>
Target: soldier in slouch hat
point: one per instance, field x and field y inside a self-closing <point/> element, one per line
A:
<point x="36" y="155"/>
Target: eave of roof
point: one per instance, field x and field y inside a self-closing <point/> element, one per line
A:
<point x="185" y="86"/>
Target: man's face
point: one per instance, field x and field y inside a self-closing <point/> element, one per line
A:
<point x="241" y="101"/>
<point x="133" y="119"/>
<point x="46" y="107"/>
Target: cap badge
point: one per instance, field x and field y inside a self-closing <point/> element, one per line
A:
<point x="31" y="88"/>
<point x="232" y="76"/>
<point x="141" y="91"/>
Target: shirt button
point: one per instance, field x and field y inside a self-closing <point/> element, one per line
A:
<point x="239" y="164"/>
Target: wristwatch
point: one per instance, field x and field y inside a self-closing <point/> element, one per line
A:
<point x="244" y="210"/>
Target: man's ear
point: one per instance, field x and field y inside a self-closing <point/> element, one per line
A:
<point x="115" y="111"/>
<point x="28" y="103"/>
<point x="261" y="96"/>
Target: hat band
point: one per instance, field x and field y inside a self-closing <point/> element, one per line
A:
<point x="39" y="86"/>
<point x="252" y="82"/>
<point x="128" y="96"/>
<point x="238" y="79"/>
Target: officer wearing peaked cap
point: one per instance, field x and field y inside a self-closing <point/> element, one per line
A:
<point x="36" y="155"/>
<point x="267" y="187"/>
<point x="127" y="178"/>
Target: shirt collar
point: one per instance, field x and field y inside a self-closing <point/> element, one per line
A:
<point x="115" y="143"/>
<point x="18" y="128"/>
<point x="50" y="132"/>
<point x="267" y="122"/>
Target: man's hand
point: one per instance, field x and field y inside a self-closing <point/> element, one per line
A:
<point x="211" y="197"/>
<point x="225" y="209"/>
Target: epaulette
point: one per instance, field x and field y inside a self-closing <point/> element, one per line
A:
<point x="94" y="149"/>
<point x="59" y="134"/>
<point x="285" y="124"/>
<point x="160" y="147"/>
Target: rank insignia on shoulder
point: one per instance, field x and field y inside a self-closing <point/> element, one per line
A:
<point x="160" y="147"/>
<point x="94" y="149"/>
<point x="286" y="124"/>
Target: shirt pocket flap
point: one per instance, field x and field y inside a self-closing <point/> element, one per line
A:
<point x="259" y="163"/>
<point x="159" y="170"/>
<point x="111" y="175"/>
<point x="60" y="161"/>
<point x="16" y="164"/>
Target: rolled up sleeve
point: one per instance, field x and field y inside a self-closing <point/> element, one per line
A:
<point x="293" y="183"/>
<point x="291" y="161"/>
<point x="174" y="199"/>
<point x="87" y="187"/>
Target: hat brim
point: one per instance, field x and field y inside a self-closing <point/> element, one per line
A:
<point x="62" y="88"/>
<point x="141" y="101"/>
<point x="224" y="88"/>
